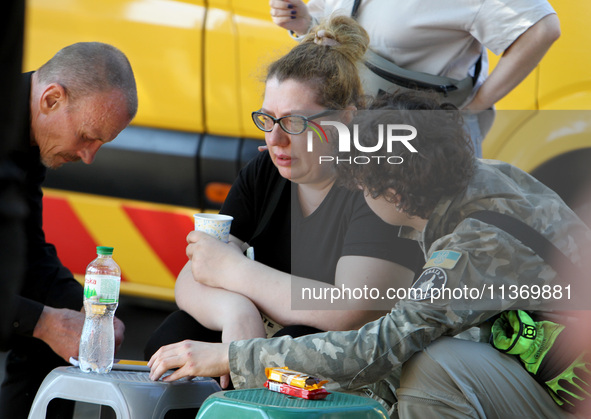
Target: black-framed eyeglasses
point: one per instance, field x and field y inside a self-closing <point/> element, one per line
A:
<point x="292" y="124"/>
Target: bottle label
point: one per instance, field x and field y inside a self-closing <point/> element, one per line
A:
<point x="102" y="288"/>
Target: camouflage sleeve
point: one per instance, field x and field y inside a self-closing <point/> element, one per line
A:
<point x="478" y="262"/>
<point x="351" y="359"/>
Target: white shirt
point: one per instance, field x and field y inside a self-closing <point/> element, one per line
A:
<point x="441" y="37"/>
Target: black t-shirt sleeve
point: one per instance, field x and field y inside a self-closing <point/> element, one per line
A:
<point x="259" y="218"/>
<point x="368" y="235"/>
<point x="240" y="202"/>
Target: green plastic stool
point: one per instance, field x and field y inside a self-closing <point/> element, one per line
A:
<point x="263" y="403"/>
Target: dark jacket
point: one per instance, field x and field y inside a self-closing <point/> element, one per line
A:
<point x="46" y="280"/>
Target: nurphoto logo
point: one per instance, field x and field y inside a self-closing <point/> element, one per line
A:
<point x="386" y="134"/>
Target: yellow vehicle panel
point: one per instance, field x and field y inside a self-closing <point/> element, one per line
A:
<point x="149" y="239"/>
<point x="162" y="38"/>
<point x="542" y="126"/>
<point x="565" y="79"/>
<point x="241" y="41"/>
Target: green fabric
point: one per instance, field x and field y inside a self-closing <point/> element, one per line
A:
<point x="572" y="384"/>
<point x="515" y="333"/>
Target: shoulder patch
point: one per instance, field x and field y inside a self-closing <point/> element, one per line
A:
<point x="429" y="279"/>
<point x="443" y="258"/>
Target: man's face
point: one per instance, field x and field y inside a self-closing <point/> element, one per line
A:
<point x="70" y="131"/>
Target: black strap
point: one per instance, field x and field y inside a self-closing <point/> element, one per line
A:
<point x="543" y="247"/>
<point x="477" y="67"/>
<point x="356" y="5"/>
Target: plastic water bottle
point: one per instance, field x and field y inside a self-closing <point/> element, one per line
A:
<point x="101" y="296"/>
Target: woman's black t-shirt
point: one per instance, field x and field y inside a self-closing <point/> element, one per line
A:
<point x="309" y="247"/>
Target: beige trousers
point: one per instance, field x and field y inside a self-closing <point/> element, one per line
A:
<point x="455" y="378"/>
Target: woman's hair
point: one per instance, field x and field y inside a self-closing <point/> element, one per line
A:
<point x="86" y="68"/>
<point x="327" y="57"/>
<point x="441" y="166"/>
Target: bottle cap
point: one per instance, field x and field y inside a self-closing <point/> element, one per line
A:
<point x="104" y="250"/>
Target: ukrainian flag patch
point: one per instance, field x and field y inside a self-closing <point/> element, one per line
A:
<point x="446" y="259"/>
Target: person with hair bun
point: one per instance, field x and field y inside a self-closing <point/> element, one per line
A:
<point x="446" y="38"/>
<point x="317" y="233"/>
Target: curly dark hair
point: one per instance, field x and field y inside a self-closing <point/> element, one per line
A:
<point x="442" y="165"/>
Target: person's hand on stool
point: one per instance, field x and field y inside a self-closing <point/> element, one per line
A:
<point x="190" y="359"/>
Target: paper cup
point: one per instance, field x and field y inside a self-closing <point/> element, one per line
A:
<point x="216" y="225"/>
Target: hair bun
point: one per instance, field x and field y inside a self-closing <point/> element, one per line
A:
<point x="321" y="37"/>
<point x="342" y="32"/>
<point x="327" y="60"/>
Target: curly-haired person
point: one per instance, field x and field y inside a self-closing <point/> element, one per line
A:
<point x="433" y="189"/>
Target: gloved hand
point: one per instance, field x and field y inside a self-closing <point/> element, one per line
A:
<point x="547" y="354"/>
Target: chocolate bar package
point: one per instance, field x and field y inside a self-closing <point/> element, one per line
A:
<point x="294" y="378"/>
<point x="319" y="393"/>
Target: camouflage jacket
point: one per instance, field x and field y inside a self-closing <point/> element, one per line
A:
<point x="462" y="254"/>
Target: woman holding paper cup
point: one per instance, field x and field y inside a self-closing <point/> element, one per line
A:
<point x="306" y="230"/>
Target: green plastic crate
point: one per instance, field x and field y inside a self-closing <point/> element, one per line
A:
<point x="263" y="403"/>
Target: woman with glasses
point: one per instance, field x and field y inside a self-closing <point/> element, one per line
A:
<point x="307" y="232"/>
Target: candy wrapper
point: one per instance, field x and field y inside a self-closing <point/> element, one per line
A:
<point x="294" y="378"/>
<point x="319" y="393"/>
<point x="294" y="383"/>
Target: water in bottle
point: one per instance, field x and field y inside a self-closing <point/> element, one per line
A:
<point x="101" y="296"/>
